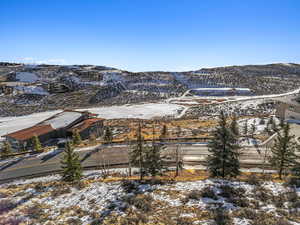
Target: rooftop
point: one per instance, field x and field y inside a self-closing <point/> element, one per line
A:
<point x="28" y="133"/>
<point x="85" y="124"/>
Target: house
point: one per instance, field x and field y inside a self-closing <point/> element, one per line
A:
<point x="60" y="125"/>
<point x="89" y="127"/>
<point x="289" y="109"/>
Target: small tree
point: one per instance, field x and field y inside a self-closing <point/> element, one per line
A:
<point x="253" y="129"/>
<point x="283" y="151"/>
<point x="36" y="144"/>
<point x="137" y="153"/>
<point x="178" y="131"/>
<point x="224" y="149"/>
<point x="153" y="160"/>
<point x="72" y="170"/>
<point x="245" y="127"/>
<point x="164" y="132"/>
<point x="76" y="137"/>
<point x="108" y="136"/>
<point x="6" y="149"/>
<point x="262" y="121"/>
<point x="234" y="127"/>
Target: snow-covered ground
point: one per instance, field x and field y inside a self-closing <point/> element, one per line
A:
<point x="36" y="201"/>
<point x="26" y="77"/>
<point x="32" y="90"/>
<point x="142" y="111"/>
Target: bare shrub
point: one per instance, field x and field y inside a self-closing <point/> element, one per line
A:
<point x="263" y="218"/>
<point x="129" y="186"/>
<point x="60" y="191"/>
<point x="253" y="179"/>
<point x="208" y="192"/>
<point x="6" y="205"/>
<point x="262" y="194"/>
<point x="221" y="217"/>
<point x="11" y="220"/>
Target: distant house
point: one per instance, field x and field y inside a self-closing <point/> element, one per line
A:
<point x="60" y="125"/>
<point x="289" y="109"/>
<point x="89" y="127"/>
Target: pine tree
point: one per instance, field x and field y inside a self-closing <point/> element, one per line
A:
<point x="72" y="170"/>
<point x="76" y="137"/>
<point x="108" y="136"/>
<point x="36" y="144"/>
<point x="6" y="149"/>
<point x="137" y="153"/>
<point x="153" y="160"/>
<point x="164" y="132"/>
<point x="178" y="131"/>
<point x="245" y="127"/>
<point x="283" y="151"/>
<point x="262" y="121"/>
<point x="253" y="129"/>
<point x="234" y="127"/>
<point x="224" y="149"/>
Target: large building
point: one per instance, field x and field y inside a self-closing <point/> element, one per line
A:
<point x="289" y="109"/>
<point x="61" y="125"/>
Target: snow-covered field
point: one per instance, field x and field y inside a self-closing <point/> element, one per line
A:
<point x="47" y="201"/>
<point x="142" y="111"/>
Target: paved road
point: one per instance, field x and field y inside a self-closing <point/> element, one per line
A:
<point x="115" y="155"/>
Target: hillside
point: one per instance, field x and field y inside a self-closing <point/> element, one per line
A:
<point x="37" y="88"/>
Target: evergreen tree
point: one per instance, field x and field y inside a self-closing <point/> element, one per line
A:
<point x="224" y="149"/>
<point x="36" y="144"/>
<point x="283" y="151"/>
<point x="245" y="127"/>
<point x="76" y="137"/>
<point x="234" y="127"/>
<point x="271" y="125"/>
<point x="6" y="149"/>
<point x="296" y="171"/>
<point x="262" y="121"/>
<point x="164" y="132"/>
<point x="108" y="136"/>
<point x="178" y="131"/>
<point x="253" y="129"/>
<point x="153" y="160"/>
<point x="71" y="166"/>
<point x="137" y="153"/>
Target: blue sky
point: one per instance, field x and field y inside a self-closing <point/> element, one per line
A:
<point x="143" y="35"/>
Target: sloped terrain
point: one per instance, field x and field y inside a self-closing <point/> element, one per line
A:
<point x="112" y="201"/>
<point x="85" y="85"/>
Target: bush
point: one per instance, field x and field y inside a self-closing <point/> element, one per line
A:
<point x="194" y="195"/>
<point x="293" y="182"/>
<point x="60" y="191"/>
<point x="262" y="194"/>
<point x="129" y="186"/>
<point x="253" y="179"/>
<point x="6" y="205"/>
<point x="246" y="213"/>
<point x="234" y="195"/>
<point x="263" y="218"/>
<point x="222" y="217"/>
<point x="141" y="202"/>
<point x="208" y="192"/>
